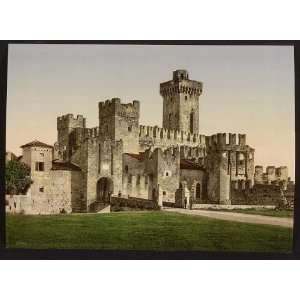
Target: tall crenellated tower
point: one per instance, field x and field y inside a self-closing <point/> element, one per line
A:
<point x="66" y="124"/>
<point x="120" y="121"/>
<point x="181" y="102"/>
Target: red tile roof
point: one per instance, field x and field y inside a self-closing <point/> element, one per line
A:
<point x="139" y="156"/>
<point x="190" y="165"/>
<point x="64" y="166"/>
<point x="36" y="143"/>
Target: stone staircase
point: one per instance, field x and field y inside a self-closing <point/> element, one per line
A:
<point x="105" y="210"/>
<point x="99" y="206"/>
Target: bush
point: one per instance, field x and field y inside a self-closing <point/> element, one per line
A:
<point x="17" y="177"/>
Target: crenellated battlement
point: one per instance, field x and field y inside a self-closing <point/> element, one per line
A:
<point x="181" y="84"/>
<point x="115" y="107"/>
<point x="241" y="185"/>
<point x="169" y="154"/>
<point x="92" y="132"/>
<point x="271" y="174"/>
<point x="168" y="135"/>
<point x="69" y="121"/>
<point x="225" y="139"/>
<point x="190" y="87"/>
<point x="189" y="152"/>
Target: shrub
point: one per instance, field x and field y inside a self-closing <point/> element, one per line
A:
<point x="17" y="177"/>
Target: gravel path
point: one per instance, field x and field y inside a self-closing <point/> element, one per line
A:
<point x="238" y="217"/>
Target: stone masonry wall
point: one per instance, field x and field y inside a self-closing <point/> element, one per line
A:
<point x="53" y="192"/>
<point x="191" y="178"/>
<point x="260" y="194"/>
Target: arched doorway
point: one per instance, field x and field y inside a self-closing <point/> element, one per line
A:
<point x="104" y="189"/>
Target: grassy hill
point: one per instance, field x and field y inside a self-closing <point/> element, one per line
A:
<point x="143" y="231"/>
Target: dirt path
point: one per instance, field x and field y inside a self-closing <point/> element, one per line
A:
<point x="238" y="217"/>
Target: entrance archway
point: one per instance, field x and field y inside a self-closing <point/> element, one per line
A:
<point x="104" y="189"/>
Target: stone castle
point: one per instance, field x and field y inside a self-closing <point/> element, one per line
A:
<point x="172" y="165"/>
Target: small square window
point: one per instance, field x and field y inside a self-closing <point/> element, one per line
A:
<point x="42" y="189"/>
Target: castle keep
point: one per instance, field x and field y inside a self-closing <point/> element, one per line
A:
<point x="88" y="168"/>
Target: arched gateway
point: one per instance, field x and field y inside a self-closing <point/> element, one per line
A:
<point x="104" y="189"/>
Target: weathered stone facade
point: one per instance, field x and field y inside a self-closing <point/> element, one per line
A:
<point x="172" y="165"/>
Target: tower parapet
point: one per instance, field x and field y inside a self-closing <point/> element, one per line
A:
<point x="272" y="175"/>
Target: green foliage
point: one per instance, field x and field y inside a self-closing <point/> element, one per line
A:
<point x="163" y="231"/>
<point x="17" y="177"/>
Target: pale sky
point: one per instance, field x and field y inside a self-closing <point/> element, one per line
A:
<point x="246" y="89"/>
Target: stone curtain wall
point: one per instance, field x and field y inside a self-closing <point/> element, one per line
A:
<point x="164" y="138"/>
<point x="57" y="192"/>
<point x="131" y="203"/>
<point x="260" y="194"/>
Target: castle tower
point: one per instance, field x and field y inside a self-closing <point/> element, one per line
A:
<point x="120" y="121"/>
<point x="181" y="102"/>
<point x="65" y="126"/>
<point x="38" y="156"/>
<point x="227" y="163"/>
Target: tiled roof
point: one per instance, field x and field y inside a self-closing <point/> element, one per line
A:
<point x="190" y="165"/>
<point x="36" y="143"/>
<point x="139" y="156"/>
<point x="64" y="166"/>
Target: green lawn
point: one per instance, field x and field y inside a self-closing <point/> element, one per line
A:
<point x="282" y="213"/>
<point x="143" y="231"/>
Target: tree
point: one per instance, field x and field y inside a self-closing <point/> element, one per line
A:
<point x="17" y="177"/>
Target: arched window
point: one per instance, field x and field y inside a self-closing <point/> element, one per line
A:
<point x="198" y="191"/>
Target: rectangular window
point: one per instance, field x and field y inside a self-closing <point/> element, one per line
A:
<point x="112" y="163"/>
<point x="99" y="160"/>
<point x="39" y="166"/>
<point x="42" y="189"/>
